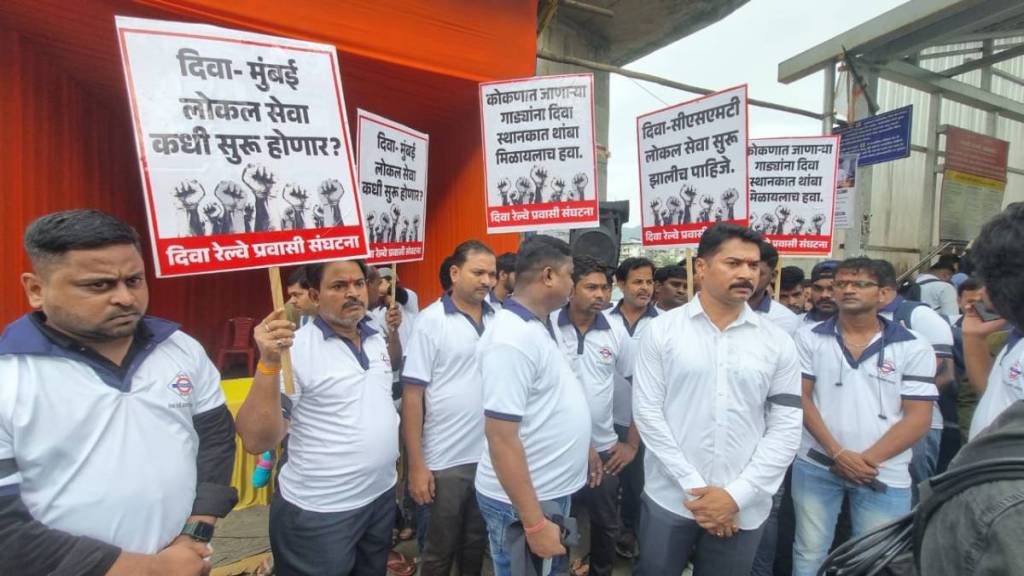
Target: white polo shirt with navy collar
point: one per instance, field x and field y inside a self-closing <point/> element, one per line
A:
<point x="780" y="315"/>
<point x="716" y="408"/>
<point x="343" y="431"/>
<point x="623" y="403"/>
<point x="527" y="378"/>
<point x="812" y="318"/>
<point x="494" y="301"/>
<point x="598" y="355"/>
<point x="935" y="329"/>
<point x="1005" y="384"/>
<point x="860" y="400"/>
<point x="441" y="357"/>
<point x="98" y="454"/>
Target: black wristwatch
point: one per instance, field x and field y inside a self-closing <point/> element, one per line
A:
<point x="198" y="531"/>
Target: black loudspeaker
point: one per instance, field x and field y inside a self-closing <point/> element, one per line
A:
<point x="602" y="242"/>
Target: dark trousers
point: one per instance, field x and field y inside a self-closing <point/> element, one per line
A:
<point x="631" y="481"/>
<point x="354" y="542"/>
<point x="668" y="542"/>
<point x="455" y="530"/>
<point x="604" y="521"/>
<point x="775" y="552"/>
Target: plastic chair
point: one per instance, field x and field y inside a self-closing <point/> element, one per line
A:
<point x="236" y="340"/>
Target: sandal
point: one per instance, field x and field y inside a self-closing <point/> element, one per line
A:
<point x="580" y="566"/>
<point x="399" y="565"/>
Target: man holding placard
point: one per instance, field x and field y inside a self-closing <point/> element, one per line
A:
<point x="334" y="509"/>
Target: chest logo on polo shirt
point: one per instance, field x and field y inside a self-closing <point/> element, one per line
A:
<point x="886" y="368"/>
<point x="1015" y="370"/>
<point x="605" y="355"/>
<point x="182" y="385"/>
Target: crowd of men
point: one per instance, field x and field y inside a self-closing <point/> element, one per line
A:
<point x="741" y="431"/>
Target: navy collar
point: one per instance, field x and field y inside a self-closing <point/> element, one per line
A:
<point x="892" y="306"/>
<point x="765" y="305"/>
<point x="892" y="332"/>
<point x="494" y="297"/>
<point x="1015" y="336"/>
<point x="650" y="312"/>
<point x="599" y="323"/>
<point x="517" y="308"/>
<point x="29" y="335"/>
<point x="450" y="308"/>
<point x="364" y="328"/>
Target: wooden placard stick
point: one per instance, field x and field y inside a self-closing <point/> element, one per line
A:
<point x="277" y="295"/>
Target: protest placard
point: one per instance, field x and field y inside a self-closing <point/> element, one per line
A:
<point x="693" y="168"/>
<point x="243" y="148"/>
<point x="540" y="165"/>
<point x="792" y="192"/>
<point x="846" y="191"/>
<point x="393" y="187"/>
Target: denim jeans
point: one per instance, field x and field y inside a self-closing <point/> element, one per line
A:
<point x="817" y="497"/>
<point x="925" y="459"/>
<point x="499" y="516"/>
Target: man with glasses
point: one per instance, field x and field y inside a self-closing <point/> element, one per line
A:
<point x="868" y="391"/>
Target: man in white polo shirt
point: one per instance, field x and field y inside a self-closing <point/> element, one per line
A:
<point x="116" y="447"/>
<point x="936" y="331"/>
<point x="762" y="303"/>
<point x="537" y="422"/>
<point x="635" y="278"/>
<point x="334" y="508"/>
<point x="506" y="281"/>
<point x="823" y="303"/>
<point x="442" y="405"/>
<point x="996" y="256"/>
<point x="868" y="391"/>
<point x="599" y="350"/>
<point x="716" y="400"/>
<point x="936" y="289"/>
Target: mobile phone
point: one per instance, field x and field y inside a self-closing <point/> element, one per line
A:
<point x="986" y="313"/>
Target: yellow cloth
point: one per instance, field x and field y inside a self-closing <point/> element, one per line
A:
<point x="235" y="392"/>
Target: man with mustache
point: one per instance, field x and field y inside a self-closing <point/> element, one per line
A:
<point x="823" y="306"/>
<point x="599" y="350"/>
<point x="116" y="447"/>
<point x="716" y="399"/>
<point x="635" y="278"/>
<point x="868" y="390"/>
<point x="442" y="408"/>
<point x="761" y="302"/>
<point x="334" y="509"/>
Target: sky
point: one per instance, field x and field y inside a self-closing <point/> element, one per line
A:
<point x="745" y="47"/>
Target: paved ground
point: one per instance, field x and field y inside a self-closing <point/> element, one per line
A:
<point x="243" y="535"/>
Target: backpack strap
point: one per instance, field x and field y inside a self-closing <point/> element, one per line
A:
<point x="904" y="311"/>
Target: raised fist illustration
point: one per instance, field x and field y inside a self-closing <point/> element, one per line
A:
<point x="730" y="196"/>
<point x="819" y="222"/>
<point x="522" y="189"/>
<point x="230" y="195"/>
<point x="259" y="179"/>
<point x="503" y="188"/>
<point x="295" y="195"/>
<point x="539" y="175"/>
<point x="331" y="191"/>
<point x="188" y="194"/>
<point x="782" y="213"/>
<point x="579" y="182"/>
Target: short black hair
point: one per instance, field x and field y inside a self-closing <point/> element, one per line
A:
<point x="630" y="264"/>
<point x="53" y="235"/>
<point x="462" y="251"/>
<point x="585" y="265"/>
<point x="445" y="274"/>
<point x="315" y="272"/>
<point x="538" y="252"/>
<point x="970" y="283"/>
<point x="298" y="276"/>
<point x="665" y="272"/>
<point x="790" y="277"/>
<point x="717" y="234"/>
<point x="769" y="255"/>
<point x="885" y="273"/>
<point x="507" y="263"/>
<point x="861" y="264"/>
<point x="944" y="263"/>
<point x="998" y="260"/>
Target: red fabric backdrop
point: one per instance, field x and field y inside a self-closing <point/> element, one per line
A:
<point x="66" y="140"/>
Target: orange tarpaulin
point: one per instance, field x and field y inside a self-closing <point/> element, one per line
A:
<point x="65" y="138"/>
